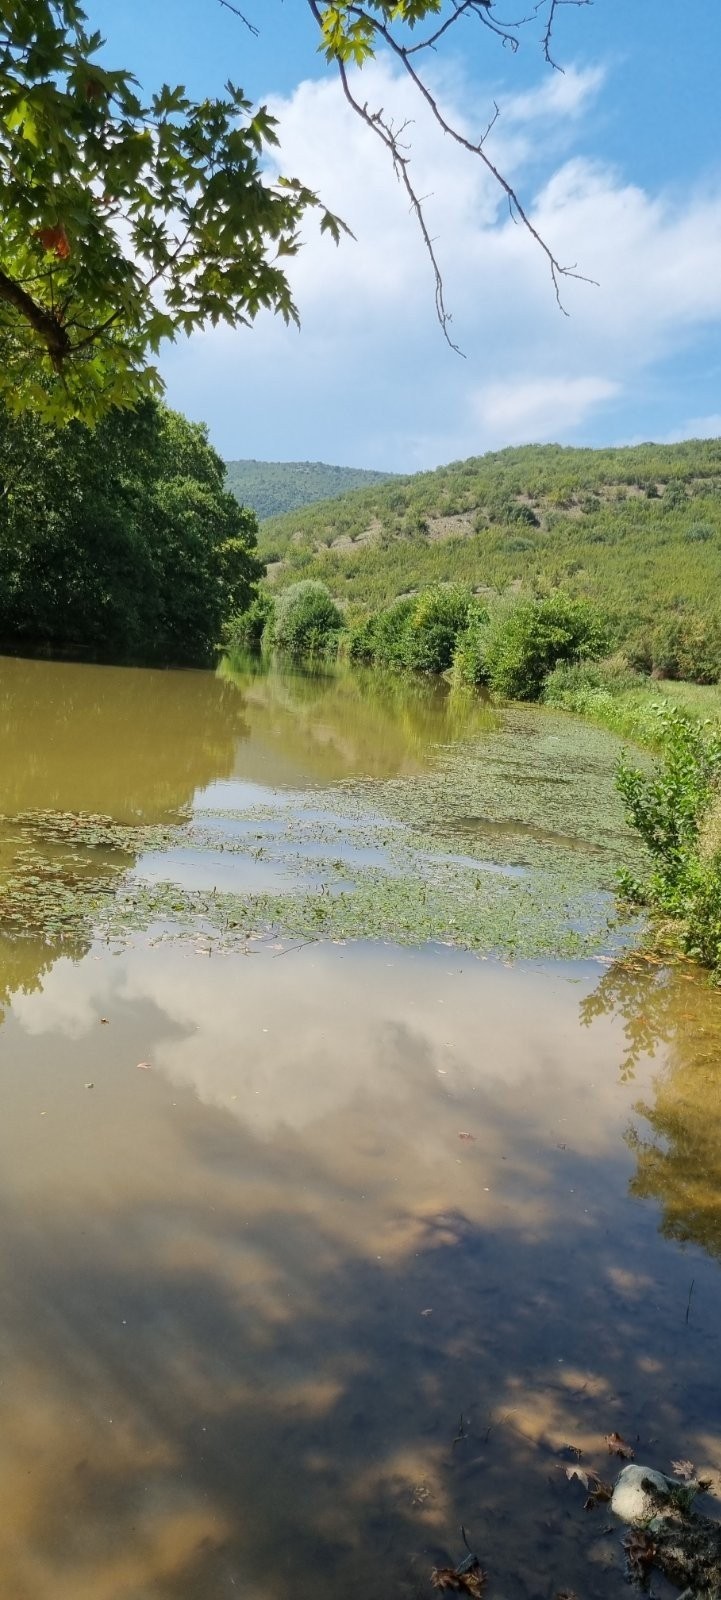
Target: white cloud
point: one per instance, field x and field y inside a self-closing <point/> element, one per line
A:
<point x="369" y="379"/>
<point x="698" y="428"/>
<point x="539" y="408"/>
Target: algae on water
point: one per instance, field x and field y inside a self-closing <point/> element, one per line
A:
<point x="507" y="841"/>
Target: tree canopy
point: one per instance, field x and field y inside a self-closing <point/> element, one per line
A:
<point x="131" y="218"/>
<point x="122" y="543"/>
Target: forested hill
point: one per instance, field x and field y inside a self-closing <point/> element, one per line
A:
<point x="270" y="488"/>
<point x="638" y="528"/>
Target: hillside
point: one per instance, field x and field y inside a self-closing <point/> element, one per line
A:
<point x="273" y="487"/>
<point x="638" y="528"/>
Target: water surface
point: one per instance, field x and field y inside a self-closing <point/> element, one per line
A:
<point x="314" y="1251"/>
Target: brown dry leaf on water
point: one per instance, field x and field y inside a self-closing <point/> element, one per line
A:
<point x="684" y="1469"/>
<point x="144" y="1066"/>
<point x="598" y="1492"/>
<point x="640" y="1550"/>
<point x="618" y="1446"/>
<point x="464" y="1579"/>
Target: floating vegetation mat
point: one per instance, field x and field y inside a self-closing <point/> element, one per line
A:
<point x="507" y="844"/>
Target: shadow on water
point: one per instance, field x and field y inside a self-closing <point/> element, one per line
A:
<point x="269" y="1327"/>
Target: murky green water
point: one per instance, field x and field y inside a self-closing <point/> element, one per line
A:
<point x="316" y="1248"/>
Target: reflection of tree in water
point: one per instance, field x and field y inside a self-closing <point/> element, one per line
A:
<point x="344" y="722"/>
<point x="24" y="963"/>
<point x="130" y="743"/>
<point x="679" y="1164"/>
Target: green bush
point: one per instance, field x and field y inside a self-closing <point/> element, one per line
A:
<point x="307" y="620"/>
<point x="469" y="661"/>
<point x="685" y="645"/>
<point x="677" y="811"/>
<point x="523" y="514"/>
<point x="524" y="639"/>
<point x="246" y="629"/>
<point x="438" y="616"/>
<point x="381" y="639"/>
<point x="417" y="633"/>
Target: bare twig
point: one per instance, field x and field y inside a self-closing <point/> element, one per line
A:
<point x="237" y="13"/>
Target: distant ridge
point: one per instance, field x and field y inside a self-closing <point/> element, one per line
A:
<point x="272" y="487"/>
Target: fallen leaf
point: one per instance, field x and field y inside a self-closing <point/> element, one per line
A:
<point x="90" y="1085"/>
<point x="618" y="1447"/>
<point x="428" y="1312"/>
<point x="600" y="1494"/>
<point x="578" y="1472"/>
<point x="684" y="1469"/>
<point x="565" y="1594"/>
<point x="104" y="1019"/>
<point x="463" y="1579"/>
<point x="597" y="1490"/>
<point x="144" y="1066"/>
<point x="470" y="1136"/>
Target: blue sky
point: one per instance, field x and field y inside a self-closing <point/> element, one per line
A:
<point x="619" y="162"/>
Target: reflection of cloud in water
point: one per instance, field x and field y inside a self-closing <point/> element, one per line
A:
<point x="288" y="1041"/>
<point x="219" y="1376"/>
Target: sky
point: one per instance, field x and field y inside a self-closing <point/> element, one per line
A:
<point x="617" y="160"/>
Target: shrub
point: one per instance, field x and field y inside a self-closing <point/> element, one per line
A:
<point x="417" y="632"/>
<point x="437" y="618"/>
<point x="524" y="640"/>
<point x="523" y="514"/>
<point x="307" y="620"/>
<point x="381" y="639"/>
<point x="246" y="629"/>
<point x="674" y="495"/>
<point x="685" y="645"/>
<point x="676" y="812"/>
<point x="469" y="662"/>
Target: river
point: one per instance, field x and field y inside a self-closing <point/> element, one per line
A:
<point x="357" y="1176"/>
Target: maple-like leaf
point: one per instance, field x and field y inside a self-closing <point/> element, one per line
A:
<point x="618" y="1446"/>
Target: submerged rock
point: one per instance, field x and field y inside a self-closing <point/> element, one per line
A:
<point x="638" y="1491"/>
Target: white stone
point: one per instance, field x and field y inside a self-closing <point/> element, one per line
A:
<point x="630" y="1501"/>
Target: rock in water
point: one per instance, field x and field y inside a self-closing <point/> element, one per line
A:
<point x="632" y="1501"/>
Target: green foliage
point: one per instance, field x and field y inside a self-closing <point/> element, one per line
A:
<point x="685" y="645"/>
<point x="107" y="198"/>
<point x="307" y="621"/>
<point x="524" y="639"/>
<point x="434" y="624"/>
<point x="121" y="544"/>
<point x="677" y="813"/>
<point x="273" y="487"/>
<point x="599" y="536"/>
<point x="246" y="631"/>
<point x="417" y="633"/>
